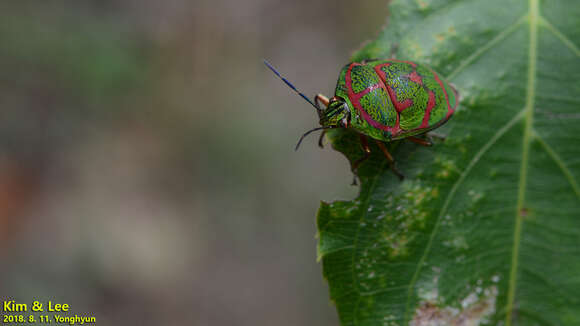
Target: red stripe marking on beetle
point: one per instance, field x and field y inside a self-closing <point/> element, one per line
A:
<point x="365" y="91"/>
<point x="414" y="76"/>
<point x="378" y="67"/>
<point x="430" y="106"/>
<point x="399" y="106"/>
<point x="355" y="99"/>
<point x="450" y="110"/>
<point x="380" y="72"/>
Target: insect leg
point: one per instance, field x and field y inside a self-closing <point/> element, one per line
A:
<point x="390" y="159"/>
<point x="321" y="98"/>
<point x="367" y="153"/>
<point x="321" y="139"/>
<point x="428" y="140"/>
<point x="420" y="141"/>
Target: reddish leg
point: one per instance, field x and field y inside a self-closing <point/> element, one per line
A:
<point x="390" y="159"/>
<point x="322" y="99"/>
<point x="420" y="141"/>
<point x="367" y="153"/>
<point x="428" y="140"/>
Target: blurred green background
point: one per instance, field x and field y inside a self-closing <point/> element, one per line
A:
<point x="147" y="170"/>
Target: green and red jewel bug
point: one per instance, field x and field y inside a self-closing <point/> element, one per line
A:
<point x="386" y="100"/>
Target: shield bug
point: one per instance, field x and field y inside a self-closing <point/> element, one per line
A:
<point x="385" y="100"/>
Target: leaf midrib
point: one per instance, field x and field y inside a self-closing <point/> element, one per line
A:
<point x="533" y="17"/>
<point x="527" y="113"/>
<point x="500" y="132"/>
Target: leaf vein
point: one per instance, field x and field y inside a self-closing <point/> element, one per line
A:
<point x="334" y="250"/>
<point x="558" y="160"/>
<point x="560" y="36"/>
<point x="482" y="49"/>
<point x="450" y="196"/>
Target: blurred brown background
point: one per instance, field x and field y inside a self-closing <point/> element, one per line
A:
<point x="147" y="170"/>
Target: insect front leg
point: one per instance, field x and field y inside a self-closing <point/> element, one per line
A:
<point x="321" y="139"/>
<point x="319" y="98"/>
<point x="390" y="159"/>
<point x="367" y="153"/>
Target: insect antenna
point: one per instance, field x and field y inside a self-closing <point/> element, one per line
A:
<point x="311" y="131"/>
<point x="290" y="85"/>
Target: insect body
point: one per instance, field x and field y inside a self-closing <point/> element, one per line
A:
<point x="386" y="100"/>
<point x="389" y="99"/>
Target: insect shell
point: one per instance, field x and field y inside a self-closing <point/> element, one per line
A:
<point x="385" y="99"/>
<point x="389" y="99"/>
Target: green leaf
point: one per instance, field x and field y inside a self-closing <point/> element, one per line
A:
<point x="485" y="228"/>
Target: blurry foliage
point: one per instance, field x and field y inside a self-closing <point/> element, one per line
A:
<point x="140" y="141"/>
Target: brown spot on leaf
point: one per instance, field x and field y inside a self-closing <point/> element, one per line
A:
<point x="473" y="312"/>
